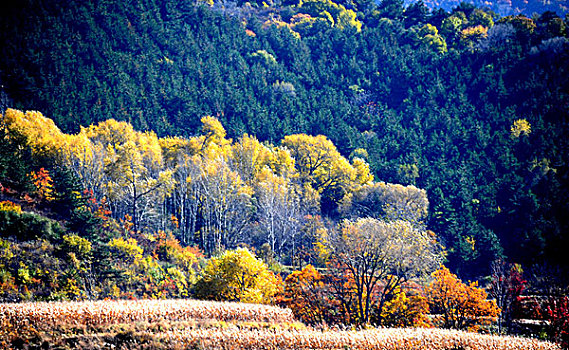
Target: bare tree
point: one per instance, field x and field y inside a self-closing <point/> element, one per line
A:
<point x="279" y="214"/>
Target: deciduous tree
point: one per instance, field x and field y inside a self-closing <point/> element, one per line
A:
<point x="307" y="294"/>
<point x="506" y="287"/>
<point x="461" y="306"/>
<point x="237" y="275"/>
<point x="370" y="250"/>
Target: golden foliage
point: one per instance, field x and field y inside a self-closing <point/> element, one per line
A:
<point x="320" y="165"/>
<point x="128" y="249"/>
<point x="237" y="275"/>
<point x="44" y="138"/>
<point x="461" y="306"/>
<point x="409" y="308"/>
<point x="474" y="33"/>
<point x="10" y="207"/>
<point x="520" y="127"/>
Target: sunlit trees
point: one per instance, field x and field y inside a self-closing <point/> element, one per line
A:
<point x="520" y="127"/>
<point x="225" y="206"/>
<point x="279" y="214"/>
<point x="43" y="183"/>
<point x="210" y="200"/>
<point x="307" y="294"/>
<point x="40" y="133"/>
<point x="169" y="272"/>
<point x="250" y="158"/>
<point x="388" y="202"/>
<point x="429" y="35"/>
<point x="406" y="308"/>
<point x="369" y="251"/>
<point x="320" y="165"/>
<point x="133" y="165"/>
<point x="87" y="158"/>
<point x="237" y="275"/>
<point x="461" y="306"/>
<point x="337" y="15"/>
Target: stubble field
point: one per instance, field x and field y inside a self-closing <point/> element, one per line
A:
<point x="190" y="324"/>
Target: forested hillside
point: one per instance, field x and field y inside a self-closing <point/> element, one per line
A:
<point x="505" y="7"/>
<point x="471" y="107"/>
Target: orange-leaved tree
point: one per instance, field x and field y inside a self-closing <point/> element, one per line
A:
<point x="369" y="251"/>
<point x="459" y="305"/>
<point x="43" y="183"/>
<point x="306" y="294"/>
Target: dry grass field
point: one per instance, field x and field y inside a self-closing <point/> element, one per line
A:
<point x="190" y="324"/>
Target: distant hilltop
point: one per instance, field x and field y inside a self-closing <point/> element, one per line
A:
<point x="504" y="7"/>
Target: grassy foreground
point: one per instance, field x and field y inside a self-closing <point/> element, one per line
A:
<point x="190" y="324"/>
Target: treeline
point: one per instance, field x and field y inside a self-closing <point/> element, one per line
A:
<point x="505" y="7"/>
<point x="464" y="104"/>
<point x="111" y="212"/>
<point x="115" y="213"/>
<point x="210" y="191"/>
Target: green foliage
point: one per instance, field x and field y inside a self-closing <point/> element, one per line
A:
<point x="28" y="226"/>
<point x="15" y="161"/>
<point x="335" y="14"/>
<point x="429" y="35"/>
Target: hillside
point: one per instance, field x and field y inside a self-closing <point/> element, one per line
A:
<point x="505" y="7"/>
<point x="470" y="107"/>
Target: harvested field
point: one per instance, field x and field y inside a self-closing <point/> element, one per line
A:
<point x="183" y="324"/>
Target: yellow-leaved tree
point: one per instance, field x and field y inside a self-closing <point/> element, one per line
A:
<point x="388" y="202"/>
<point x="135" y="178"/>
<point x="320" y="166"/>
<point x="211" y="200"/>
<point x="40" y="133"/>
<point x="237" y="275"/>
<point x="279" y="213"/>
<point x="250" y="157"/>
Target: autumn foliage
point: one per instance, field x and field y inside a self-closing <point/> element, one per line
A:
<point x="157" y="218"/>
<point x="558" y="315"/>
<point x="307" y="293"/>
<point x="43" y="183"/>
<point x="237" y="275"/>
<point x="459" y="305"/>
<point x="408" y="307"/>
